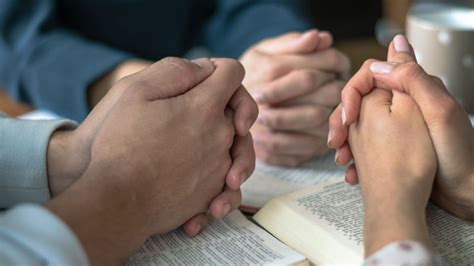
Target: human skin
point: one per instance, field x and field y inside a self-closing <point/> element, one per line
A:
<point x="296" y="78"/>
<point x="396" y="163"/>
<point x="69" y="151"/>
<point x="449" y="125"/>
<point x="146" y="175"/>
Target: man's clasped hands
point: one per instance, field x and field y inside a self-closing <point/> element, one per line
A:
<point x="172" y="143"/>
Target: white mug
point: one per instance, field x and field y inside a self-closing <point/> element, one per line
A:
<point x="443" y="39"/>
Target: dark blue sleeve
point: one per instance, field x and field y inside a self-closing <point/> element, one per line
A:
<point x="238" y="24"/>
<point x="43" y="64"/>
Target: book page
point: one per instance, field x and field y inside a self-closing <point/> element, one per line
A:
<point x="451" y="237"/>
<point x="268" y="182"/>
<point x="338" y="209"/>
<point x="231" y="241"/>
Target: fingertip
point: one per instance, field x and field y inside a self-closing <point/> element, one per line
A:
<point x="246" y="111"/>
<point x="337" y="129"/>
<point x="196" y="224"/>
<point x="325" y="40"/>
<point x="400" y="44"/>
<point x="220" y="210"/>
<point x="400" y="50"/>
<point x="309" y="41"/>
<point x="350" y="102"/>
<point x="344" y="154"/>
<point x="233" y="180"/>
<point x="351" y="175"/>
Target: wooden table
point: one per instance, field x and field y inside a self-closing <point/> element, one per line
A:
<point x="12" y="108"/>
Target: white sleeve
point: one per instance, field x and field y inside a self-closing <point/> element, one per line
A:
<point x="23" y="154"/>
<point x="404" y="253"/>
<point x="31" y="235"/>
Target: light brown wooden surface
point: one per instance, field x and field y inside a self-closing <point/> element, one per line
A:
<point x="11" y="107"/>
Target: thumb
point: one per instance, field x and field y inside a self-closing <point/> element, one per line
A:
<point x="292" y="43"/>
<point x="171" y="77"/>
<point x="400" y="51"/>
<point x="428" y="92"/>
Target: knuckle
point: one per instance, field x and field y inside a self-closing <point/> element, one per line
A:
<point x="334" y="57"/>
<point x="234" y="66"/>
<point x="315" y="115"/>
<point x="275" y="120"/>
<point x="227" y="135"/>
<point x="273" y="145"/>
<point x="437" y="80"/>
<point x="306" y="79"/>
<point x="272" y="93"/>
<point x="411" y="70"/>
<point x="271" y="69"/>
<point x="447" y="109"/>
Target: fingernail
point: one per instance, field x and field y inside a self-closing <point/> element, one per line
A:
<point x="401" y="44"/>
<point x="204" y="63"/>
<point x="329" y="139"/>
<point x="345" y="180"/>
<point x="344" y="117"/>
<point x="336" y="159"/>
<point x="227" y="208"/>
<point x="382" y="68"/>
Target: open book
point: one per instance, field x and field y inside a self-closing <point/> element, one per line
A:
<point x="268" y="182"/>
<point x="322" y="223"/>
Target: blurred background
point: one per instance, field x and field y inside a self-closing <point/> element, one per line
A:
<point x="362" y="29"/>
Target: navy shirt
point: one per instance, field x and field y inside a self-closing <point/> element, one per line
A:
<point x="51" y="51"/>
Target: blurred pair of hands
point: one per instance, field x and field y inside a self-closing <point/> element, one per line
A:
<point x="410" y="140"/>
<point x="296" y="79"/>
<point x="162" y="148"/>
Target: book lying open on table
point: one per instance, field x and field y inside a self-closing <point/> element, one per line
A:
<point x="321" y="224"/>
<point x="269" y="182"/>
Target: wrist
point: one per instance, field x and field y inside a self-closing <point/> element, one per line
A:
<point x="65" y="161"/>
<point x="394" y="220"/>
<point x="100" y="215"/>
<point x="460" y="204"/>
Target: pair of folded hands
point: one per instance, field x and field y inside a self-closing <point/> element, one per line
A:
<point x="409" y="141"/>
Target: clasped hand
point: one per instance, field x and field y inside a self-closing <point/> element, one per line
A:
<point x="165" y="145"/>
<point x="449" y="127"/>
